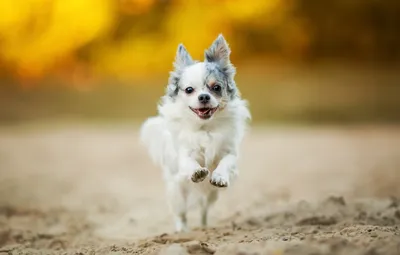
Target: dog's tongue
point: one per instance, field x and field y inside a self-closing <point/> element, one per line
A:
<point x="204" y="110"/>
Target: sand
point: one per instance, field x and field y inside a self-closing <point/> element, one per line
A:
<point x="81" y="189"/>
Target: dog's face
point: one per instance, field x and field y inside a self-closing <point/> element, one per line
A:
<point x="203" y="88"/>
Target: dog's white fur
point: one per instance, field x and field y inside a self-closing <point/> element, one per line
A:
<point x="198" y="156"/>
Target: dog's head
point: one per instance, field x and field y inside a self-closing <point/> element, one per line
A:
<point x="203" y="88"/>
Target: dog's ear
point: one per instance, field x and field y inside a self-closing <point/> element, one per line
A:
<point x="218" y="52"/>
<point x="182" y="60"/>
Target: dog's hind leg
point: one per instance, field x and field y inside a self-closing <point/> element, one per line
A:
<point x="177" y="199"/>
<point x="205" y="206"/>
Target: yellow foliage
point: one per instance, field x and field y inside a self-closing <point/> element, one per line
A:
<point x="38" y="35"/>
<point x="135" y="6"/>
<point x="192" y="22"/>
<point x="245" y="10"/>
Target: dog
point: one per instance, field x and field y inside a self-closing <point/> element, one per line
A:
<point x="196" y="136"/>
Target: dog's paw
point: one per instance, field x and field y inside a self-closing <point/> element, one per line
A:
<point x="199" y="175"/>
<point x="219" y="180"/>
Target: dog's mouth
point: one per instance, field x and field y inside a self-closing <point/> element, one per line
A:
<point x="205" y="112"/>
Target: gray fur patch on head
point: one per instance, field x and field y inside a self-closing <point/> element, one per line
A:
<point x="217" y="57"/>
<point x="182" y="60"/>
<point x="214" y="72"/>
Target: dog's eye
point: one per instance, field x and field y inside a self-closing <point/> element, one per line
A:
<point x="216" y="88"/>
<point x="189" y="90"/>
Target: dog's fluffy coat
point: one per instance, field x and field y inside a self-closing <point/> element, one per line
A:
<point x="195" y="142"/>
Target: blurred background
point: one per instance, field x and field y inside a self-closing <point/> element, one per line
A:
<point x="298" y="61"/>
<point x="77" y="77"/>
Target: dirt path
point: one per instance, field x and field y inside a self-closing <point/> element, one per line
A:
<point x="93" y="190"/>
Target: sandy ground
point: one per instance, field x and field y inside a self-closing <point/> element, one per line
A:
<point x="93" y="190"/>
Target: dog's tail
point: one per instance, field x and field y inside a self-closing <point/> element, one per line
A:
<point x="158" y="140"/>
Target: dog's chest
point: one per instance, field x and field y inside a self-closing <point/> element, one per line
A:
<point x="205" y="146"/>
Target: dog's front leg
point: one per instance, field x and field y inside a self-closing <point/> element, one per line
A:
<point x="225" y="172"/>
<point x="190" y="169"/>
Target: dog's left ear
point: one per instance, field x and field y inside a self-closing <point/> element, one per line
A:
<point x="219" y="53"/>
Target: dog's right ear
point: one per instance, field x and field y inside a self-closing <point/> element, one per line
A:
<point x="182" y="60"/>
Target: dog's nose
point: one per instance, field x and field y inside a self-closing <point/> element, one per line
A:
<point x="204" y="98"/>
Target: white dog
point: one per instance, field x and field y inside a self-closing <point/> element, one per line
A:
<point x="196" y="136"/>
